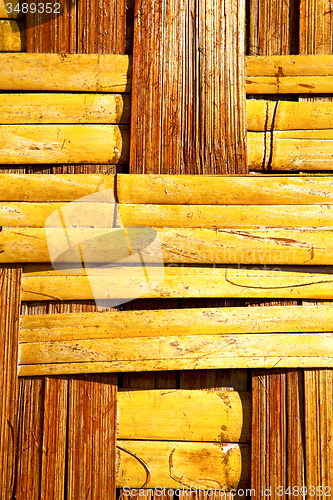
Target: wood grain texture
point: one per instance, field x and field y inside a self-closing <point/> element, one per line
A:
<point x="53" y="188"/>
<point x="12" y="36"/>
<point x="65" y="72"/>
<point x="92" y="429"/>
<point x="225" y="190"/>
<point x="35" y="144"/>
<point x="176" y="415"/>
<point x="182" y="69"/>
<point x="180" y="282"/>
<point x="64" y="108"/>
<point x="10" y="289"/>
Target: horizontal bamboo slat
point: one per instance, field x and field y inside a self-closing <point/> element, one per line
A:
<point x="64" y="144"/>
<point x="177" y="415"/>
<point x="176" y="246"/>
<point x="54" y="188"/>
<point x="65" y="72"/>
<point x="180" y="282"/>
<point x="64" y="108"/>
<point x="12" y="36"/>
<point x="4" y="12"/>
<point x="170" y="322"/>
<point x="286" y="115"/>
<point x="151" y="464"/>
<point x="225" y="190"/>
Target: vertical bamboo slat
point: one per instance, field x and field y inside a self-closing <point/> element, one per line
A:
<point x="188" y="97"/>
<point x="10" y="282"/>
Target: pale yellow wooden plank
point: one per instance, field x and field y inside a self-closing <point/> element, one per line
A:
<point x="177" y="415"/>
<point x="289" y="85"/>
<point x="151" y="464"/>
<point x="48" y="188"/>
<point x="287" y="66"/>
<point x="65" y="72"/>
<point x="12" y="36"/>
<point x="64" y="108"/>
<point x="288" y="115"/>
<point x="204" y="363"/>
<point x="170" y="322"/>
<point x="199" y="246"/>
<point x="224" y="190"/>
<point x="9" y="11"/>
<point x="63" y="144"/>
<point x="180" y="282"/>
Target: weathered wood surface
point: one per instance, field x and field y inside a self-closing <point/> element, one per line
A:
<point x="54" y="188"/>
<point x="283" y="115"/>
<point x="225" y="190"/>
<point x="178" y="415"/>
<point x="150" y="464"/>
<point x="173" y="127"/>
<point x="10" y="288"/>
<point x="65" y="72"/>
<point x="180" y="282"/>
<point x="64" y="108"/>
<point x="12" y="36"/>
<point x="170" y="322"/>
<point x="178" y="246"/>
<point x="34" y="144"/>
<point x="5" y="14"/>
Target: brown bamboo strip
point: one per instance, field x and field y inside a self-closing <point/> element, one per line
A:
<point x="225" y="190"/>
<point x="173" y="128"/>
<point x="10" y="281"/>
<point x="171" y="322"/>
<point x="59" y="72"/>
<point x="10" y="12"/>
<point x="186" y="463"/>
<point x="54" y="188"/>
<point x="92" y="436"/>
<point x="177" y="416"/>
<point x="181" y="282"/>
<point x="178" y="246"/>
<point x="268" y="115"/>
<point x="63" y="144"/>
<point x="315" y="27"/>
<point x="12" y="36"/>
<point x="64" y="108"/>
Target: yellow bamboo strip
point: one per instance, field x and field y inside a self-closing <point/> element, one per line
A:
<point x="288" y="66"/>
<point x="12" y="36"/>
<point x="64" y="108"/>
<point x="48" y="188"/>
<point x="187" y="246"/>
<point x="177" y="415"/>
<point x="170" y="322"/>
<point x="183" y="465"/>
<point x="285" y="115"/>
<point x="65" y="72"/>
<point x="179" y="282"/>
<point x="225" y="190"/>
<point x="63" y="144"/>
<point x="10" y="12"/>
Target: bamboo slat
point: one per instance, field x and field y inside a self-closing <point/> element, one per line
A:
<point x="64" y="108"/>
<point x="180" y="282"/>
<point x="177" y="416"/>
<point x="224" y="190"/>
<point x="66" y="73"/>
<point x="54" y="188"/>
<point x="12" y="36"/>
<point x="10" y="281"/>
<point x="283" y="115"/>
<point x="171" y="322"/>
<point x="5" y="14"/>
<point x="92" y="429"/>
<point x="173" y="127"/>
<point x="181" y="465"/>
<point x="178" y="246"/>
<point x="63" y="144"/>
